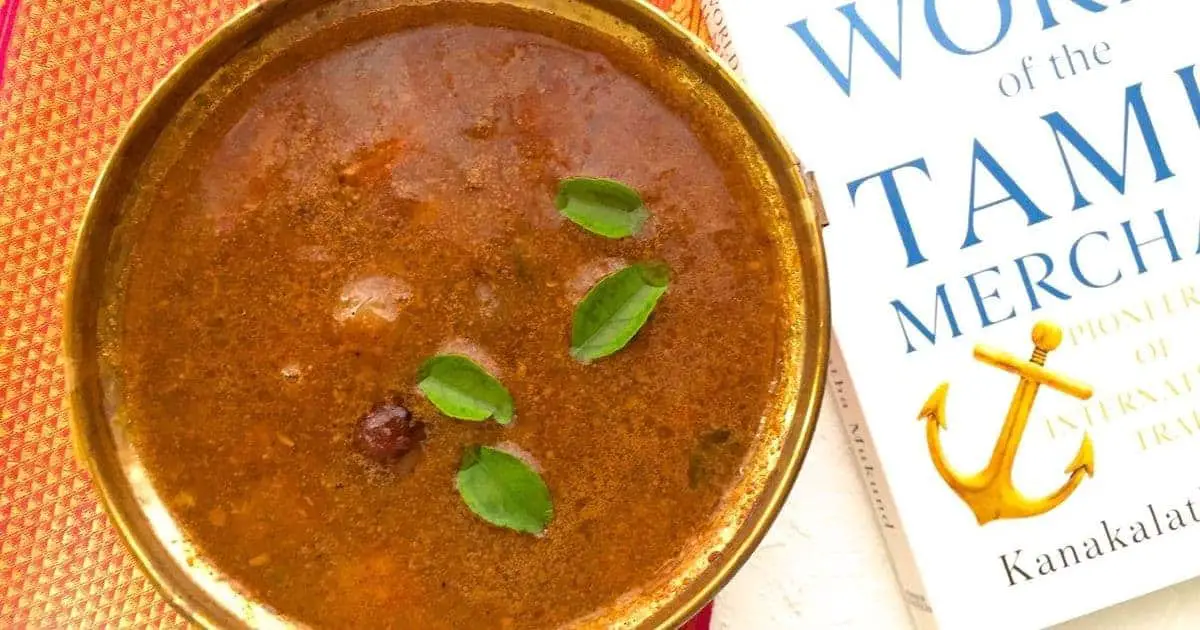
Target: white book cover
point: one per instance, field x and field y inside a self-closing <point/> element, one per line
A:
<point x="1013" y="243"/>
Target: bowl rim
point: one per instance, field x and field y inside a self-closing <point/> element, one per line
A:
<point x="792" y="180"/>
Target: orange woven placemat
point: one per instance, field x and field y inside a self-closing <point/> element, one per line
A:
<point x="71" y="74"/>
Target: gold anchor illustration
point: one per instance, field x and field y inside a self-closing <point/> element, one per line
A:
<point x="990" y="493"/>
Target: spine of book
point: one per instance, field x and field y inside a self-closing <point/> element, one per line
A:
<point x="721" y="41"/>
<point x="849" y="409"/>
<point x="842" y="390"/>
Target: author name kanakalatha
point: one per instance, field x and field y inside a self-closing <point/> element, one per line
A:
<point x="1021" y="566"/>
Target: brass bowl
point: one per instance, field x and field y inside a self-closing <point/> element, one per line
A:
<point x="183" y="576"/>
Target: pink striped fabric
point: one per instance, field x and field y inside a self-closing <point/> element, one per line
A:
<point x="8" y="18"/>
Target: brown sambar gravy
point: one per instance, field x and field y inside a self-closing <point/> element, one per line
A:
<point x="391" y="199"/>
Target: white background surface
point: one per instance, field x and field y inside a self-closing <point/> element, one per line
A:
<point x="823" y="564"/>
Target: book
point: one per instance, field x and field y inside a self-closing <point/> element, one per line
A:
<point x="1013" y="197"/>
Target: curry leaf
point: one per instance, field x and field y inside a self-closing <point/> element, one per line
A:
<point x="601" y="206"/>
<point x="615" y="309"/>
<point x="503" y="490"/>
<point x="461" y="389"/>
